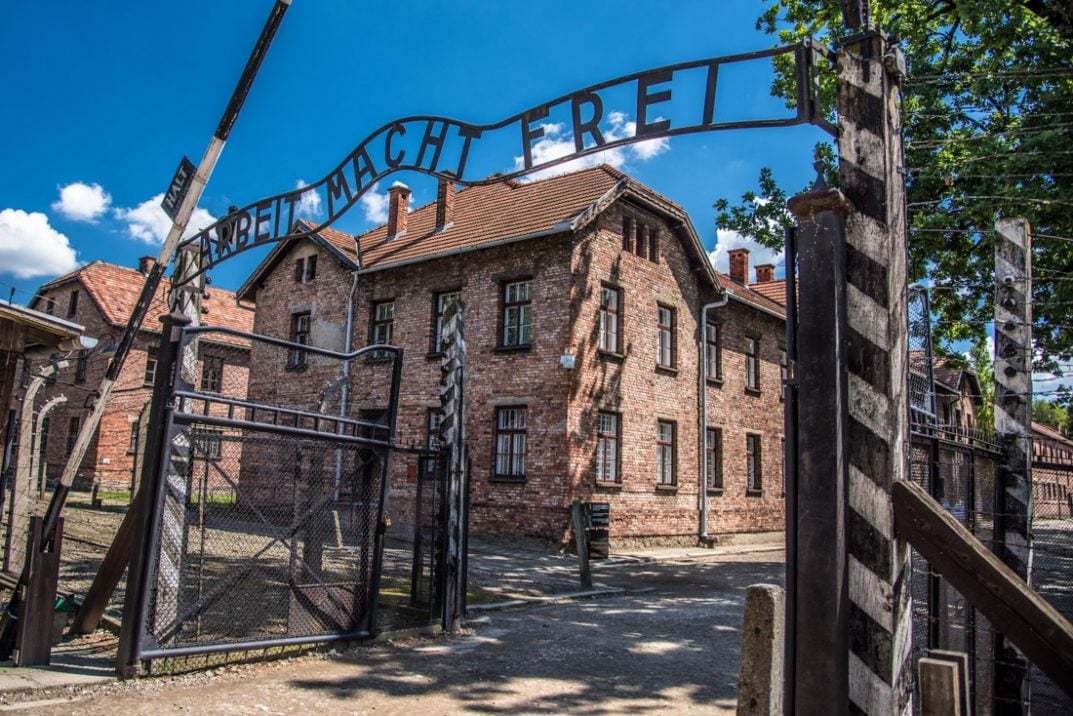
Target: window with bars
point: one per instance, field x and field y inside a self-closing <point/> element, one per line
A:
<point x="608" y="447"/>
<point x="135" y="436"/>
<point x="611" y="319"/>
<point x="627" y="234"/>
<point x="713" y="352"/>
<point x="305" y="269"/>
<point x="73" y="426"/>
<point x="640" y="243"/>
<point x="665" y="449"/>
<point x="510" y="430"/>
<point x="666" y="318"/>
<point x="752" y="364"/>
<point x="753" y="470"/>
<point x="653" y="245"/>
<point x="440" y="303"/>
<point x="81" y="366"/>
<point x="713" y="447"/>
<point x="72" y="304"/>
<point x="150" y="368"/>
<point x="212" y="374"/>
<point x="517" y="316"/>
<point x="300" y="324"/>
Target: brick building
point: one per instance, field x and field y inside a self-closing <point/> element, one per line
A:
<point x="1052" y="474"/>
<point x="584" y="295"/>
<point x="101" y="297"/>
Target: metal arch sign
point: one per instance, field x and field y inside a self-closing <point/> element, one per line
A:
<point x="442" y="147"/>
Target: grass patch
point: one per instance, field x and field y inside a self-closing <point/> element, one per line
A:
<point x="114" y="495"/>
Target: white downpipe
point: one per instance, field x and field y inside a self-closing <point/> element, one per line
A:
<point x="344" y="391"/>
<point x="703" y="387"/>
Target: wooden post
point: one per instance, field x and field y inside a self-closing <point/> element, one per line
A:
<point x="1013" y="421"/>
<point x="819" y="661"/>
<point x="34" y="642"/>
<point x="581" y="541"/>
<point x="870" y="68"/>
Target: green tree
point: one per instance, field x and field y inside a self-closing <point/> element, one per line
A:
<point x="1051" y="413"/>
<point x="988" y="130"/>
<point x="984" y="368"/>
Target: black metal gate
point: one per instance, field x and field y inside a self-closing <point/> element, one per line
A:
<point x="268" y="513"/>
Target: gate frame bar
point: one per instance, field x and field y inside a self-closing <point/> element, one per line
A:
<point x="164" y="417"/>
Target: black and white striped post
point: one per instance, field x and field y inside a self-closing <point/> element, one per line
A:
<point x="453" y="442"/>
<point x="870" y="69"/>
<point x="1013" y="423"/>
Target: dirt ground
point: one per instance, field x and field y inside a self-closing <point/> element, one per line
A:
<point x="669" y="644"/>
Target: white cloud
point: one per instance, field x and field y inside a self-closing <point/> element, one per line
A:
<point x="557" y="142"/>
<point x="29" y="247"/>
<point x="309" y="204"/>
<point x="375" y="205"/>
<point x="82" y="202"/>
<point x="726" y="240"/>
<point x="147" y="222"/>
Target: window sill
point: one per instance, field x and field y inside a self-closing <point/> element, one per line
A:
<point x="433" y="355"/>
<point x="508" y="479"/>
<point x="608" y="485"/>
<point x="715" y="492"/>
<point x="610" y="355"/>
<point x="513" y="349"/>
<point x="300" y="368"/>
<point x="714" y="382"/>
<point x="753" y="391"/>
<point x="669" y="489"/>
<point x="754" y="493"/>
<point x="666" y="369"/>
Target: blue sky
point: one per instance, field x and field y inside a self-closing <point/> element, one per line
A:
<point x="104" y="98"/>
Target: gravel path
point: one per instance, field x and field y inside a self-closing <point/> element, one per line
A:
<point x="670" y="644"/>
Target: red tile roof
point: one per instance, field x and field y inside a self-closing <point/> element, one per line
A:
<point x="486" y="214"/>
<point x="505" y="211"/>
<point x="114" y="289"/>
<point x="774" y="289"/>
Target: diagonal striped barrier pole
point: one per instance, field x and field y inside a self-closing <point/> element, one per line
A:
<point x="870" y="68"/>
<point x="453" y="442"/>
<point x="1013" y="430"/>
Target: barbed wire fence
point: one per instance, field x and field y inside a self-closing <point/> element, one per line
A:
<point x="970" y="165"/>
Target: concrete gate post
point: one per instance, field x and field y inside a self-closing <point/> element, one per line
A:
<point x="1013" y="430"/>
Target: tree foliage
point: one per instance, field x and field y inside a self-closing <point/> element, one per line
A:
<point x="1052" y="414"/>
<point x="988" y="131"/>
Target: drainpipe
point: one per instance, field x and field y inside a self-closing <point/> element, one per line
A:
<point x="702" y="373"/>
<point x="344" y="391"/>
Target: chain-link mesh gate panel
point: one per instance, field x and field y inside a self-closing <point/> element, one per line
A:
<point x="268" y="521"/>
<point x="959" y="472"/>
<point x="263" y="536"/>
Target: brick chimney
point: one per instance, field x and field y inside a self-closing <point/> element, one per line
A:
<point x="739" y="265"/>
<point x="765" y="272"/>
<point x="145" y="265"/>
<point x="445" y="204"/>
<point x="398" y="208"/>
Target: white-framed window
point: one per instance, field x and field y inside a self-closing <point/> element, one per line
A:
<point x="611" y="319"/>
<point x="666" y="326"/>
<point x="441" y="302"/>
<point x="510" y="441"/>
<point x="517" y="314"/>
<point x="752" y="364"/>
<point x="608" y="446"/>
<point x="753" y="464"/>
<point x="665" y="453"/>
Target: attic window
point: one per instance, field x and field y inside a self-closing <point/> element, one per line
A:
<point x="305" y="269"/>
<point x="640" y="238"/>
<point x="72" y="304"/>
